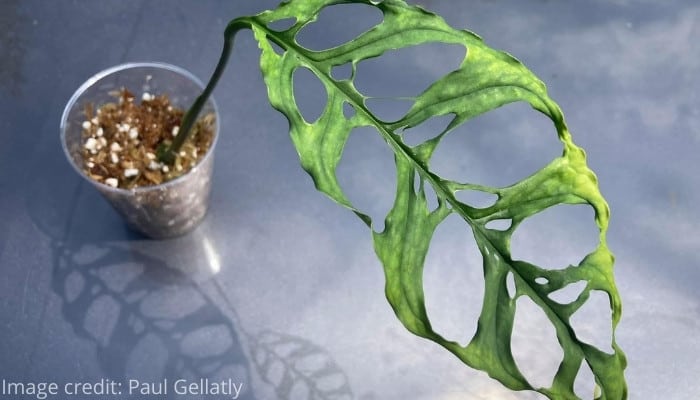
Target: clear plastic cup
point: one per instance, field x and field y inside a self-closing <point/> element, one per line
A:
<point x="172" y="208"/>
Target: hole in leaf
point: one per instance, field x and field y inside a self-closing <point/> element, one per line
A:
<point x="328" y="381"/>
<point x="309" y="93"/>
<point x="534" y="344"/>
<point x="584" y="385"/>
<point x="300" y="390"/>
<point x="593" y="321"/>
<point x="453" y="281"/>
<point x="427" y="130"/>
<point x="499" y="224"/>
<point x="408" y="71"/>
<point x="313" y="362"/>
<point x="276" y="48"/>
<point x="276" y="372"/>
<point x="367" y="174"/>
<point x="416" y="183"/>
<point x="476" y="198"/>
<point x="388" y="110"/>
<point x="101" y="319"/>
<point x="286" y="349"/>
<point x="542" y="280"/>
<point x="568" y="293"/>
<point x="342" y="72"/>
<point x="430" y="197"/>
<point x="334" y="28"/>
<point x="348" y="110"/>
<point x="148" y="357"/>
<point x="498" y="148"/>
<point x="282" y="25"/>
<point x="556" y="237"/>
<point x="207" y="341"/>
<point x="510" y="285"/>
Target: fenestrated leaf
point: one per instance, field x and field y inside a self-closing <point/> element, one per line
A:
<point x="485" y="80"/>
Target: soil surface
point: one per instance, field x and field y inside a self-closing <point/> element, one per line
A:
<point x="120" y="140"/>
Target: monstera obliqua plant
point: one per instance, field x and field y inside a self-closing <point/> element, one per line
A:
<point x="485" y="80"/>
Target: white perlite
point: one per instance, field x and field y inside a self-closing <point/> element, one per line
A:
<point x="115" y="147"/>
<point x="114" y="157"/>
<point x="113" y="182"/>
<point x="176" y="129"/>
<point x="91" y="144"/>
<point x="86" y="124"/>
<point x="147" y="96"/>
<point x="130" y="172"/>
<point x="133" y="133"/>
<point x="123" y="127"/>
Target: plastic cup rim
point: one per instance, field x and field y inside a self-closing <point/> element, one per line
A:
<point x="121" y="67"/>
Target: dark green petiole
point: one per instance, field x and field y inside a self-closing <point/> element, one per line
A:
<point x="166" y="154"/>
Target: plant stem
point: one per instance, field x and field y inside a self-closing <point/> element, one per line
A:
<point x="167" y="154"/>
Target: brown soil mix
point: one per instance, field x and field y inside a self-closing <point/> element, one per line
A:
<point x="120" y="140"/>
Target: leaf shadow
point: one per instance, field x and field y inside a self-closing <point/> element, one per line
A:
<point x="155" y="310"/>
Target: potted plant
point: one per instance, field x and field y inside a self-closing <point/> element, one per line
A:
<point x="110" y="136"/>
<point x="485" y="80"/>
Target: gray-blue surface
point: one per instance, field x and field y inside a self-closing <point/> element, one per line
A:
<point x="276" y="266"/>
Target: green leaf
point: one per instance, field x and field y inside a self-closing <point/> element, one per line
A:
<point x="485" y="80"/>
